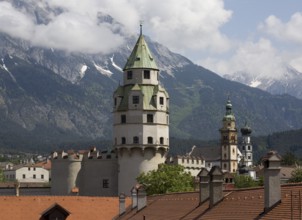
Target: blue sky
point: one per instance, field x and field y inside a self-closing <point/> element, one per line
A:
<point x="261" y="37"/>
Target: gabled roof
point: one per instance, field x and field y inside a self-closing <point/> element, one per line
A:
<point x="208" y="153"/>
<point x="55" y="208"/>
<point x="141" y="57"/>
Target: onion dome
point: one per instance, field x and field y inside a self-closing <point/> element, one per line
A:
<point x="229" y="116"/>
<point x="246" y="130"/>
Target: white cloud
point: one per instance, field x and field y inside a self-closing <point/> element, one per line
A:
<point x="193" y="25"/>
<point x="255" y="58"/>
<point x="14" y="22"/>
<point x="180" y="25"/>
<point x="297" y="63"/>
<point x="290" y="31"/>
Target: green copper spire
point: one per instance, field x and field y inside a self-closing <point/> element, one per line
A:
<point x="141" y="57"/>
<point x="229" y="113"/>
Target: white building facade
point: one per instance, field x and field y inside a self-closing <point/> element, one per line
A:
<point x="30" y="174"/>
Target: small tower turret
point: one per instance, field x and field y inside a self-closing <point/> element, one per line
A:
<point x="229" y="157"/>
<point x="247" y="148"/>
<point x="141" y="117"/>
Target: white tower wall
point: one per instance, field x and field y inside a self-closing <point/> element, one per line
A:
<point x="65" y="173"/>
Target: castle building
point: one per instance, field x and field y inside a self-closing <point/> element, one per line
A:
<point x="228" y="132"/>
<point x="140" y="135"/>
<point x="141" y="117"/>
<point x="246" y="146"/>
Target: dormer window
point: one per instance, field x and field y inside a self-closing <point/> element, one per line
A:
<point x="161" y="100"/>
<point x="135" y="99"/>
<point x="129" y="75"/>
<point x="146" y="74"/>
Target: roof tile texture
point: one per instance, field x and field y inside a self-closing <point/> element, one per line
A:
<point x="80" y="207"/>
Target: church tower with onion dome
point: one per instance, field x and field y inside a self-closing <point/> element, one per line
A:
<point x="140" y="117"/>
<point x="229" y="152"/>
<point x="247" y="148"/>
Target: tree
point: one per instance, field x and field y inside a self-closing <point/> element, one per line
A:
<point x="243" y="181"/>
<point x="289" y="159"/>
<point x="167" y="178"/>
<point x="296" y="175"/>
<point x="2" y="177"/>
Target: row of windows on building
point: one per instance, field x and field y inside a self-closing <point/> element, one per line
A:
<point x="12" y="176"/>
<point x="136" y="140"/>
<point x="34" y="176"/>
<point x="135" y="100"/>
<point x="150" y="118"/>
<point x="225" y="166"/>
<point x="248" y="147"/>
<point x="146" y="74"/>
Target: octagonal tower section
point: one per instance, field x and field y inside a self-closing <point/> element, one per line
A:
<point x="141" y="118"/>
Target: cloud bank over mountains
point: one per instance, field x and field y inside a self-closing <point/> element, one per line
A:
<point x="193" y="28"/>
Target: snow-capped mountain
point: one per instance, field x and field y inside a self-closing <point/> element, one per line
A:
<point x="50" y="96"/>
<point x="290" y="82"/>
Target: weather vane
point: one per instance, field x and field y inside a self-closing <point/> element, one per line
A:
<point x="141" y="26"/>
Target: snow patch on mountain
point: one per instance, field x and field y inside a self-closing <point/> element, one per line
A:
<point x="255" y="83"/>
<point x="103" y="71"/>
<point x="3" y="66"/>
<point x="114" y="64"/>
<point x="83" y="70"/>
<point x="290" y="82"/>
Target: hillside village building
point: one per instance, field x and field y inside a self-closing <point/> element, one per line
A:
<point x="30" y="173"/>
<point x="140" y="137"/>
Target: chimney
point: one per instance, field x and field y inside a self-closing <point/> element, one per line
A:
<point x="272" y="188"/>
<point x="17" y="188"/>
<point x="134" y="197"/>
<point x="141" y="197"/>
<point x="216" y="181"/>
<point x="203" y="185"/>
<point x="122" y="206"/>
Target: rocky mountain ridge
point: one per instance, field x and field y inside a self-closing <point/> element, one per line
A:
<point x="50" y="96"/>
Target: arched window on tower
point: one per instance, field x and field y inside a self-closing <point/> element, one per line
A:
<point x="150" y="140"/>
<point x="249" y="147"/>
<point x="123" y="140"/>
<point x="161" y="140"/>
<point x="135" y="140"/>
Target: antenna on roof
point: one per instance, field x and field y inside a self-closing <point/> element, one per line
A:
<point x="141" y="26"/>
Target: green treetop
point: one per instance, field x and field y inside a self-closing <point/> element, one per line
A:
<point x="166" y="179"/>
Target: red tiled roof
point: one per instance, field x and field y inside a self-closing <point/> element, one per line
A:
<point x="44" y="164"/>
<point x="237" y="204"/>
<point x="79" y="207"/>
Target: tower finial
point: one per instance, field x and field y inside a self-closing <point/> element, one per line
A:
<point x="141" y="26"/>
